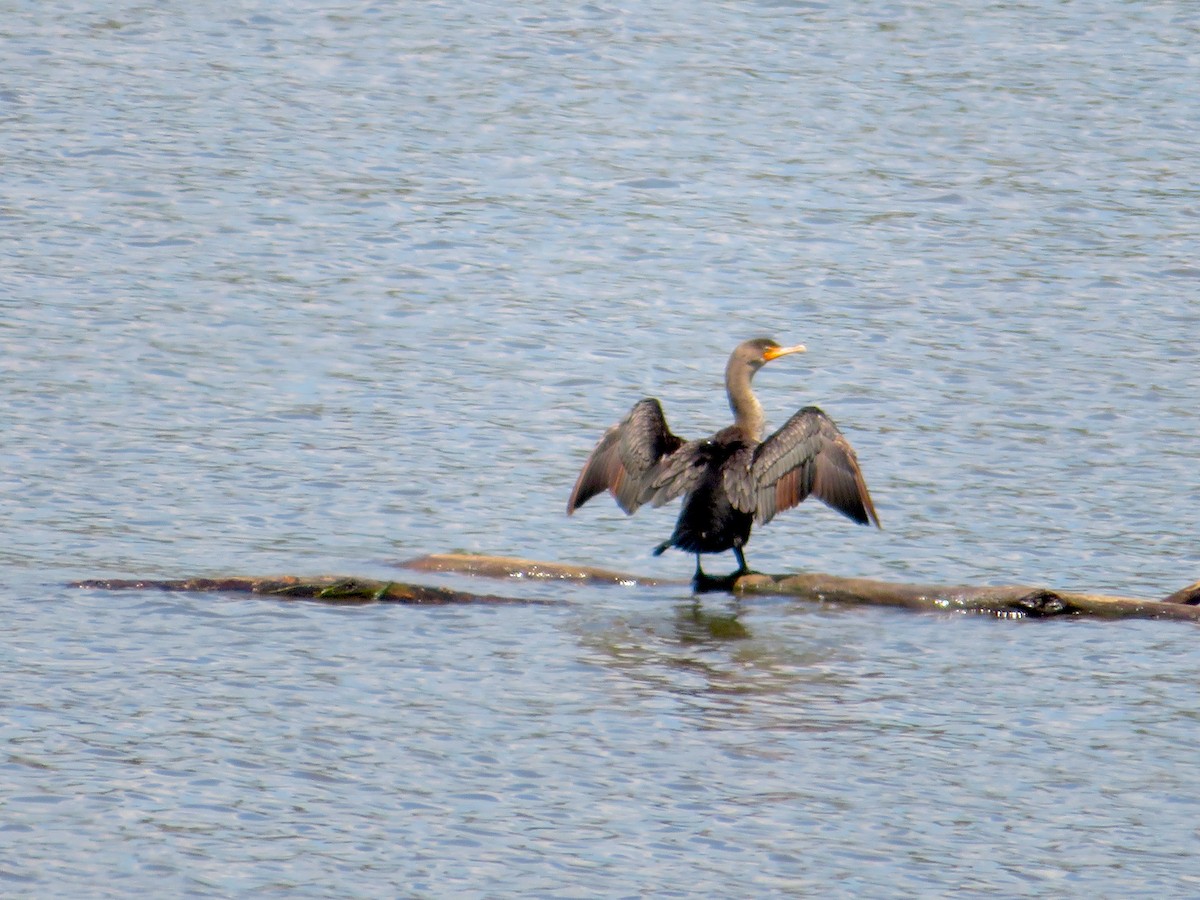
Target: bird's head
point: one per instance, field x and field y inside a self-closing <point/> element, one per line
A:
<point x="757" y="352"/>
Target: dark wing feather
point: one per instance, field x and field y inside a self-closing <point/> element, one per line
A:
<point x="682" y="471"/>
<point x="808" y="455"/>
<point x="740" y="486"/>
<point x="625" y="461"/>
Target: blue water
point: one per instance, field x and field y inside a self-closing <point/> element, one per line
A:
<point x="291" y="288"/>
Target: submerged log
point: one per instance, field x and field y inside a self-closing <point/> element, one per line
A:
<point x="1002" y="601"/>
<point x="327" y="588"/>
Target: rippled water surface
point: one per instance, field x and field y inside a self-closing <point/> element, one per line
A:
<point x="310" y="288"/>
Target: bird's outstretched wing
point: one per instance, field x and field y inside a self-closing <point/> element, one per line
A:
<point x="808" y="455"/>
<point x="626" y="461"/>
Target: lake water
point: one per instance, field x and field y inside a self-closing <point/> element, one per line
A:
<point x="314" y="288"/>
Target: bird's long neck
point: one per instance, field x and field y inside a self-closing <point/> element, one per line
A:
<point x="747" y="411"/>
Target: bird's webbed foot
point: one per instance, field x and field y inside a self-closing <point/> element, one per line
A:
<point x="711" y="584"/>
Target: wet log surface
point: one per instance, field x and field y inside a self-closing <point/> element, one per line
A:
<point x="1003" y="601"/>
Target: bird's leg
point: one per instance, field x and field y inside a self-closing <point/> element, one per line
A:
<point x="742" y="569"/>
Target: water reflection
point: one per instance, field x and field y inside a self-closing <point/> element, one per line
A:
<point x="698" y="624"/>
<point x="720" y="653"/>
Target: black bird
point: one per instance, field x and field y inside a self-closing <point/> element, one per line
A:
<point x="732" y="480"/>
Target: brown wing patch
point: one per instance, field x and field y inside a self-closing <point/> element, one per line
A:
<point x="791" y="488"/>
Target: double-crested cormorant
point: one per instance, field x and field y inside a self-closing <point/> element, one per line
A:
<point x="733" y="479"/>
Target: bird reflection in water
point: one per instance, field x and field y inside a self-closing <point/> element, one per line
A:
<point x="697" y="625"/>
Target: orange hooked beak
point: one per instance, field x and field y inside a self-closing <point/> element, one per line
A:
<point x="775" y="352"/>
